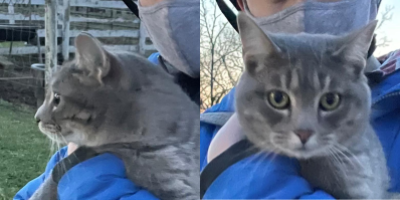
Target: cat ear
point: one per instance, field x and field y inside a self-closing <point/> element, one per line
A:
<point x="355" y="46"/>
<point x="256" y="44"/>
<point x="91" y="56"/>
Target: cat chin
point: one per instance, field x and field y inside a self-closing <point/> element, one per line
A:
<point x="54" y="136"/>
<point x="50" y="130"/>
<point x="306" y="155"/>
<point x="303" y="154"/>
<point x="54" y="133"/>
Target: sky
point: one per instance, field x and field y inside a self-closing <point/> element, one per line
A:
<point x="390" y="28"/>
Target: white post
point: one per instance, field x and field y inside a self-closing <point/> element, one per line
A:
<point x="143" y="35"/>
<point x="11" y="12"/>
<point x="51" y="37"/>
<point x="65" y="35"/>
<point x="142" y="39"/>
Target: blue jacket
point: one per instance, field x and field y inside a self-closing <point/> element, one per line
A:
<point x="260" y="178"/>
<point x="101" y="177"/>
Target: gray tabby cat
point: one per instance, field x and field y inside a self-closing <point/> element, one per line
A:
<point x="306" y="96"/>
<point x="119" y="102"/>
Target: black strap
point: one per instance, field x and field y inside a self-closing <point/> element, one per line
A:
<point x="80" y="155"/>
<point x="190" y="85"/>
<point x="235" y="153"/>
<point x="235" y="3"/>
<point x="228" y="13"/>
<point x="162" y="63"/>
<point x="132" y="6"/>
<point x="372" y="47"/>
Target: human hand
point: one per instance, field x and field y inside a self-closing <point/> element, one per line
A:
<point x="71" y="148"/>
<point x="228" y="135"/>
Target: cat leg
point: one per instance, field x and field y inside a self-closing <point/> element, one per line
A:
<point x="47" y="191"/>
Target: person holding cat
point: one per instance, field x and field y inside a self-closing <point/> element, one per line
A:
<point x="233" y="170"/>
<point x="103" y="176"/>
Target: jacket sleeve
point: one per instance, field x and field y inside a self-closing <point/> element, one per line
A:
<point x="154" y="58"/>
<point x="27" y="191"/>
<point x="101" y="177"/>
<point x="262" y="177"/>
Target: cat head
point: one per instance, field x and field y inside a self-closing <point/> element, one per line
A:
<point x="303" y="95"/>
<point x="89" y="99"/>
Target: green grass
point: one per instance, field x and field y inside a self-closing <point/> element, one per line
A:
<point x="8" y="44"/>
<point x="24" y="151"/>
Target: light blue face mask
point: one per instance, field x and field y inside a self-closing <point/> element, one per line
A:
<point x="316" y="17"/>
<point x="174" y="28"/>
<point x="313" y="16"/>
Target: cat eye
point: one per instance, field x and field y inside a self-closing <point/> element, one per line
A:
<point x="56" y="99"/>
<point x="329" y="101"/>
<point x="278" y="100"/>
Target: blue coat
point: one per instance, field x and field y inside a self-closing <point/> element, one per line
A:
<point x="101" y="177"/>
<point x="260" y="178"/>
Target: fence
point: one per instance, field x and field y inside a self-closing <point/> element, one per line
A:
<point x="23" y="33"/>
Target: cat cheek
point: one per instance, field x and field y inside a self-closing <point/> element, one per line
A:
<point x="293" y="141"/>
<point x="313" y="142"/>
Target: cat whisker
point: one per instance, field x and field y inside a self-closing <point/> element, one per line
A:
<point x="52" y="147"/>
<point x="58" y="146"/>
<point x="254" y="156"/>
<point x="252" y="148"/>
<point x="342" y="153"/>
<point x="335" y="157"/>
<point x="263" y="154"/>
<point x="345" y="149"/>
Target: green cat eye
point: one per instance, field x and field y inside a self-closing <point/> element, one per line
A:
<point x="329" y="101"/>
<point x="278" y="100"/>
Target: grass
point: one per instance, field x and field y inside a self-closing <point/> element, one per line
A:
<point x="8" y="44"/>
<point x="24" y="151"/>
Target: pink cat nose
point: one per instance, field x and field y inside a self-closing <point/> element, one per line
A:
<point x="304" y="135"/>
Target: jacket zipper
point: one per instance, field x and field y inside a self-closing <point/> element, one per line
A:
<point x="386" y="96"/>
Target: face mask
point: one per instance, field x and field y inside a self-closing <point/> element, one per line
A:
<point x="312" y="16"/>
<point x="173" y="26"/>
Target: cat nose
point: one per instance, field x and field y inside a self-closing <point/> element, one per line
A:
<point x="37" y="114"/>
<point x="304" y="135"/>
<point x="37" y="118"/>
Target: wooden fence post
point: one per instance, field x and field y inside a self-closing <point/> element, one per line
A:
<point x="11" y="12"/>
<point x="144" y="47"/>
<point x="65" y="35"/>
<point x="51" y="19"/>
<point x="142" y="39"/>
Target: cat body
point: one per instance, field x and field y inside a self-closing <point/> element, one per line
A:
<point x="361" y="174"/>
<point x="118" y="102"/>
<point x="306" y="96"/>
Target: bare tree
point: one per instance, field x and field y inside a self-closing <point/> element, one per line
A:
<point x="220" y="60"/>
<point x="383" y="41"/>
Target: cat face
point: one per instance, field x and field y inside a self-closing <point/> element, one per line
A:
<point x="303" y="95"/>
<point x="108" y="96"/>
<point x="71" y="110"/>
<point x="88" y="99"/>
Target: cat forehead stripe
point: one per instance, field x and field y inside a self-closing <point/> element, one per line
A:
<point x="295" y="79"/>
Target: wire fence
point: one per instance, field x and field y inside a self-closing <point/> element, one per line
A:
<point x="22" y="39"/>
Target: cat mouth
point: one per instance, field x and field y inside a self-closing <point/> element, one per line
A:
<point x="49" y="129"/>
<point x="302" y="151"/>
<point x="307" y="152"/>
